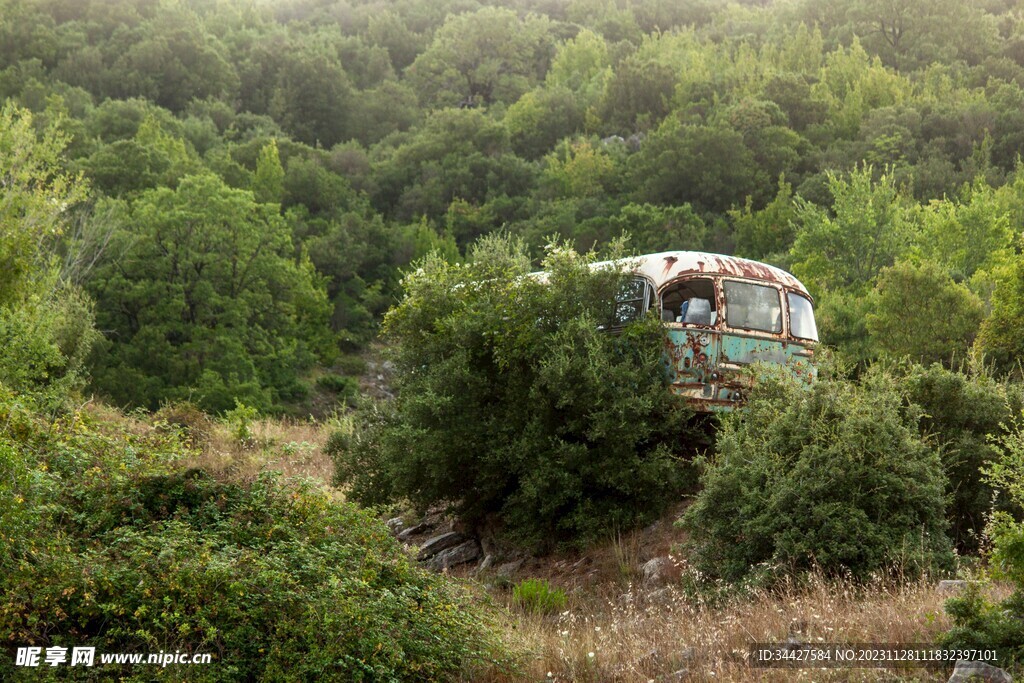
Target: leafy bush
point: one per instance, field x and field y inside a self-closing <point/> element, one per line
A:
<point x="976" y="620"/>
<point x="107" y="546"/>
<point x="240" y="419"/>
<point x="512" y="402"/>
<point x="350" y="365"/>
<point x="537" y="595"/>
<point x="193" y="424"/>
<point x="919" y="312"/>
<point x="337" y="384"/>
<point x="962" y="414"/>
<point x="834" y="477"/>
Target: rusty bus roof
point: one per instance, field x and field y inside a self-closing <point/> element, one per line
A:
<point x="668" y="265"/>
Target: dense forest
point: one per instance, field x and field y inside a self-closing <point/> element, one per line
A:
<point x="317" y="148"/>
<point x="210" y="210"/>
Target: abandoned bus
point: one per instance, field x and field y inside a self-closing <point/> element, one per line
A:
<point x="721" y="313"/>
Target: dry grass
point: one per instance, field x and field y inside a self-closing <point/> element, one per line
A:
<point x="663" y="635"/>
<point x="292" y="447"/>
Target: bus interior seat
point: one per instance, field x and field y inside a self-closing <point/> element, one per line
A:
<point x="698" y="313"/>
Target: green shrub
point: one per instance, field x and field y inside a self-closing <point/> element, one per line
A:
<point x="240" y="419"/>
<point x="935" y="327"/>
<point x="106" y="545"/>
<point x="537" y="595"/>
<point x="962" y="414"/>
<point x="834" y="477"/>
<point x="185" y="417"/>
<point x="350" y="365"/>
<point x="345" y="387"/>
<point x="978" y="622"/>
<point x="512" y="402"/>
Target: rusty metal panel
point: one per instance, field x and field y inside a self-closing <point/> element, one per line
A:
<point x="707" y="366"/>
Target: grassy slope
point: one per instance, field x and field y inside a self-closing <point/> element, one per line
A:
<point x="635" y="632"/>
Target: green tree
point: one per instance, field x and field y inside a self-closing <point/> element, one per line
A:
<point x="513" y="404"/>
<point x="964" y="414"/>
<point x="45" y="324"/>
<point x="313" y="99"/>
<point x="268" y="182"/>
<point x="583" y="66"/>
<point x="481" y="57"/>
<point x="768" y="232"/>
<point x="919" y="312"/>
<point x="1001" y="337"/>
<point x="870" y="226"/>
<point x="455" y="154"/>
<point x="968" y="233"/>
<point x="978" y="621"/>
<point x="706" y="166"/>
<point x="200" y="295"/>
<point x="37" y="195"/>
<point x="542" y="117"/>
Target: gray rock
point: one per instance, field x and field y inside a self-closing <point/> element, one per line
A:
<point x="509" y="568"/>
<point x="460" y="554"/>
<point x="966" y="671"/>
<point x="406" y="534"/>
<point x="653" y="571"/>
<point x="438" y="543"/>
<point x="950" y="586"/>
<point x="486" y="564"/>
<point x="395" y="524"/>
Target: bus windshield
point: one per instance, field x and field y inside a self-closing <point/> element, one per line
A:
<point x="801" y="318"/>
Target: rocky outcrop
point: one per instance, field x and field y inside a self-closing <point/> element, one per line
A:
<point x="438" y="543"/>
<point x="468" y="551"/>
<point x="974" y="671"/>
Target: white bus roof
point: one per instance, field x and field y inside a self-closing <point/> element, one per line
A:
<point x="669" y="265"/>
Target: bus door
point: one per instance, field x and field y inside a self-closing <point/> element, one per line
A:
<point x="690" y="309"/>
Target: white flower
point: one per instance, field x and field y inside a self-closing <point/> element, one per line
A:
<point x="590" y="654"/>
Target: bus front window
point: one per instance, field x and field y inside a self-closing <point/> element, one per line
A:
<point x="752" y="307"/>
<point x="801" y="318"/>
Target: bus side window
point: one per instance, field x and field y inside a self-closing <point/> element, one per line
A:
<point x="690" y="301"/>
<point x="632" y="303"/>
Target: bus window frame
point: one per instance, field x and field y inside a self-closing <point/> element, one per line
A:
<point x="789" y="329"/>
<point x="650" y="296"/>
<point x="780" y="291"/>
<point x="717" y="292"/>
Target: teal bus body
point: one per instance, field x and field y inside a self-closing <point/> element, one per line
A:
<point x="722" y="314"/>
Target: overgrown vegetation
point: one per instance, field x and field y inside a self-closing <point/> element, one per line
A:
<point x="515" y="406"/>
<point x="321" y="148"/>
<point x="835" y="477"/>
<point x="206" y="206"/>
<point x="977" y="619"/>
<point x="109" y="544"/>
